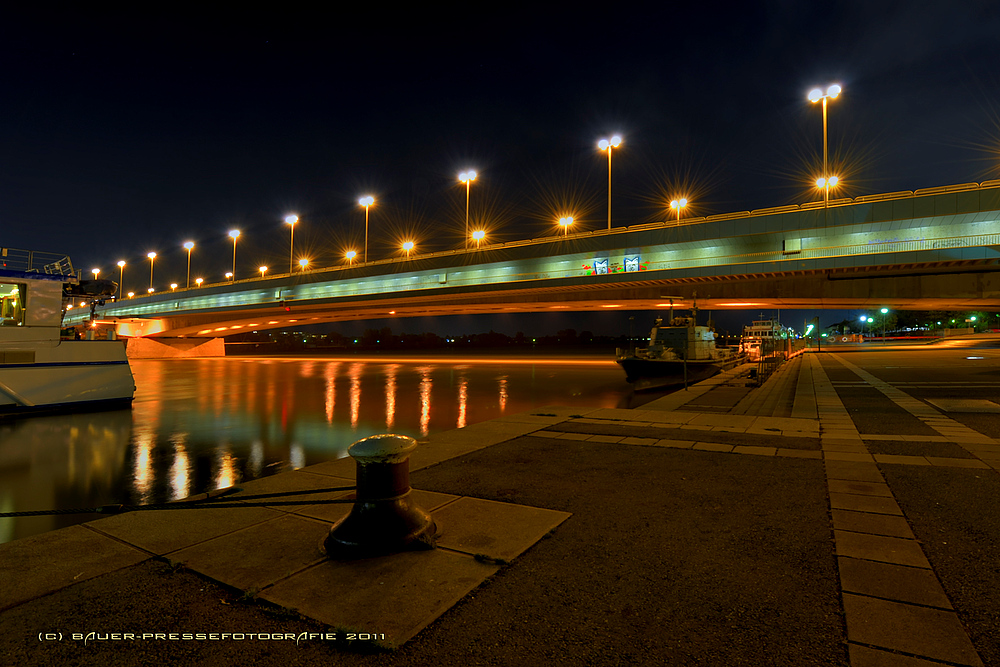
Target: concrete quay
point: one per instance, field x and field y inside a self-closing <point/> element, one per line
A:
<point x="841" y="514"/>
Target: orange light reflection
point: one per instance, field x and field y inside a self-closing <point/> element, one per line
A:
<point x="425" y="399"/>
<point x="355" y="374"/>
<point x="463" y="397"/>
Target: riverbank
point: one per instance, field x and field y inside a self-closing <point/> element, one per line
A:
<point x="717" y="526"/>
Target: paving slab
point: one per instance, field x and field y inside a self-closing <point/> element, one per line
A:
<point x="799" y="453"/>
<point x="921" y="631"/>
<point x="758" y="451"/>
<point x="896" y="550"/>
<point x="712" y="447"/>
<point x="610" y="439"/>
<point x="495" y="529"/>
<point x="876" y="524"/>
<point x="258" y="556"/>
<point x="861" y="488"/>
<point x="848" y="456"/>
<point x="395" y="596"/>
<point x="955" y="463"/>
<point x="892" y="582"/>
<point x="866" y="656"/>
<point x="679" y="444"/>
<point x="860" y="503"/>
<point x="903" y="459"/>
<point x="165" y="531"/>
<point x="853" y="470"/>
<point x="34" y="566"/>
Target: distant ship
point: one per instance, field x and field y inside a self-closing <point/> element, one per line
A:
<point x="681" y="352"/>
<point x="764" y="338"/>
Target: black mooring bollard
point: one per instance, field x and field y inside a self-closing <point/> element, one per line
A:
<point x="384" y="519"/>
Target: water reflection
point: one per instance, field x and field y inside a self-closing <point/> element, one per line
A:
<point x="200" y="424"/>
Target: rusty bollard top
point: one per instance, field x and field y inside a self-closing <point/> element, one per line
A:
<point x="382" y="448"/>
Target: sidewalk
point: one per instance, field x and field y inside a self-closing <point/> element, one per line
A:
<point x="722" y="525"/>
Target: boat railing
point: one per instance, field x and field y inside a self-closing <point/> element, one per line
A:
<point x="36" y="261"/>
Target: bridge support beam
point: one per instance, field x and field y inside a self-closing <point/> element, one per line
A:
<point x="165" y="348"/>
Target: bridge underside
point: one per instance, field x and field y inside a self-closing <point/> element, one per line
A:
<point x="956" y="285"/>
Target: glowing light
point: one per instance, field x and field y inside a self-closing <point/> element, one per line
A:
<point x="150" y="290"/>
<point x="350" y="256"/>
<point x="366" y="201"/>
<point x="612" y="305"/>
<point x="467" y="176"/>
<point x="234" y="233"/>
<point x="478" y="236"/>
<point x="303" y="263"/>
<point x="677" y="205"/>
<point x="263" y="270"/>
<point x="390" y="395"/>
<point x="131" y="294"/>
<point x="151" y="255"/>
<point x="291" y="219"/>
<point x="407" y="247"/>
<point x="121" y="264"/>
<point x="199" y="281"/>
<point x="425" y="399"/>
<point x="173" y="286"/>
<point x="95" y="272"/>
<point x="354" y="373"/>
<point x="566" y="222"/>
<point x="463" y="400"/>
<point x="189" y="246"/>
<point x="229" y="275"/>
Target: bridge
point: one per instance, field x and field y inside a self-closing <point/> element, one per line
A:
<point x="933" y="249"/>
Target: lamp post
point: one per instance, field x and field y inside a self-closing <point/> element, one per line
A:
<point x="607" y="145"/>
<point x="199" y="281"/>
<point x="121" y="277"/>
<point x="815" y="95"/>
<point x="566" y="222"/>
<point x="263" y="270"/>
<point x="173" y="286"/>
<point x="366" y="202"/>
<point x="407" y="247"/>
<point x="290" y="220"/>
<point x="478" y="236"/>
<point x="883" y="311"/>
<point x="234" y="234"/>
<point x="189" y="246"/>
<point x="350" y="257"/>
<point x="303" y="263"/>
<point x="229" y="276"/>
<point x="467" y="177"/>
<point x="96" y="273"/>
<point x="864" y="319"/>
<point x="151" y="256"/>
<point x="678" y="204"/>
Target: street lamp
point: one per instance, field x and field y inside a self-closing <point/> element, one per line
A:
<point x="678" y="204"/>
<point x="189" y="246"/>
<point x="478" y="236"/>
<point x="150" y="290"/>
<point x="229" y="275"/>
<point x="607" y="145"/>
<point x="151" y="256"/>
<point x="467" y="177"/>
<point x="173" y="286"/>
<point x="407" y="247"/>
<point x="235" y="234"/>
<point x="815" y="95"/>
<point x="303" y="263"/>
<point x="566" y="222"/>
<point x="883" y="311"/>
<point x="263" y="270"/>
<point x="350" y="256"/>
<point x="121" y="277"/>
<point x="198" y="281"/>
<point x="130" y="294"/>
<point x="290" y="220"/>
<point x="96" y="273"/>
<point x="825" y="184"/>
<point x="366" y="202"/>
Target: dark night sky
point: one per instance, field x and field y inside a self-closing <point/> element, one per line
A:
<point x="126" y="132"/>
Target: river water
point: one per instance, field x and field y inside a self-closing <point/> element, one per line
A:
<point x="201" y="424"/>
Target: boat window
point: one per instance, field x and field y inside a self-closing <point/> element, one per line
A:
<point x="11" y="305"/>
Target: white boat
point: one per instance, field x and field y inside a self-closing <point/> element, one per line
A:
<point x="763" y="338"/>
<point x="40" y="371"/>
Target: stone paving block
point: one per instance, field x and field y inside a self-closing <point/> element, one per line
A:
<point x="166" y="531"/>
<point x="635" y="424"/>
<point x="68" y="556"/>
<point x="639" y="441"/>
<point x="861" y="488"/>
<point x="611" y="439"/>
<point x="838" y="440"/>
<point x="729" y="429"/>
<point x="920" y="631"/>
<point x="955" y="463"/>
<point x="903" y="459"/>
<point x="737" y="421"/>
<point x="922" y="438"/>
<point x="858" y="448"/>
<point x="752" y="449"/>
<point x="573" y="436"/>
<point x="865" y="656"/>
<point x="498" y="530"/>
<point x="853" y="470"/>
<point x="859" y="503"/>
<point x="800" y="453"/>
<point x="712" y="447"/>
<point x="295" y="480"/>
<point x="546" y="434"/>
<point x="787" y="424"/>
<point x="848" y="456"/>
<point x="892" y="582"/>
<point x="696" y="427"/>
<point x="342" y="467"/>
<point x="397" y="595"/>
<point x="257" y="556"/>
<point x="876" y="524"/>
<point x="881" y="548"/>
<point x="679" y="444"/>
